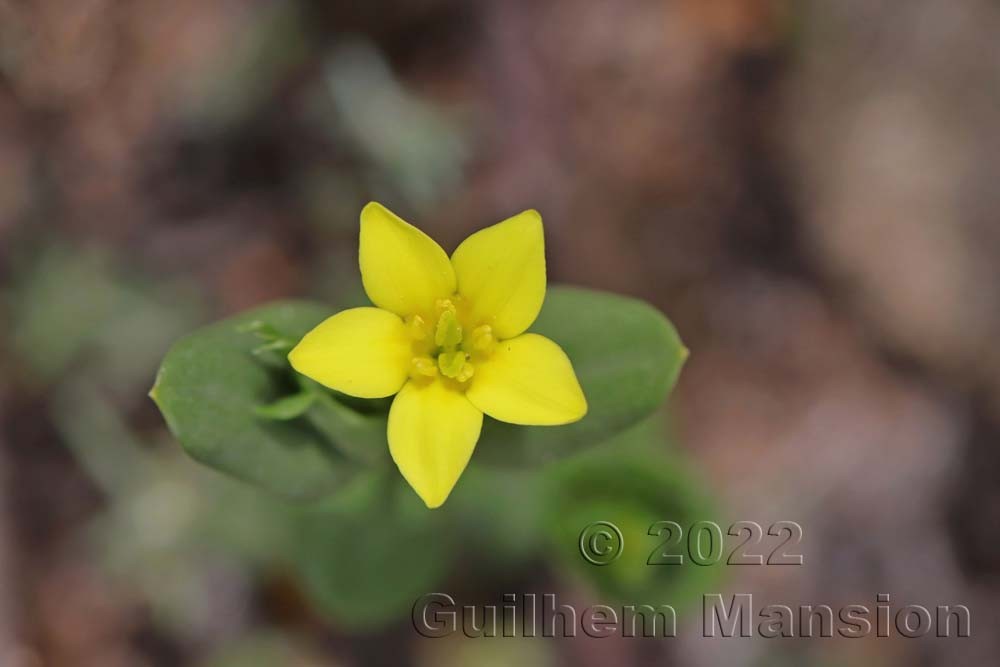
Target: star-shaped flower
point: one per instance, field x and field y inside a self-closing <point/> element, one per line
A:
<point x="447" y="336"/>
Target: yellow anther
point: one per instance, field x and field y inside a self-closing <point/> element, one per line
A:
<point x="423" y="366"/>
<point x="465" y="374"/>
<point x="451" y="363"/>
<point x="482" y="338"/>
<point x="444" y="305"/>
<point x="448" y="332"/>
<point x="416" y="327"/>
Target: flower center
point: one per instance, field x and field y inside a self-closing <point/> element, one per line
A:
<point x="447" y="348"/>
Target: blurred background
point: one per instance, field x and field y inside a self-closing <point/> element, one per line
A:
<point x="807" y="188"/>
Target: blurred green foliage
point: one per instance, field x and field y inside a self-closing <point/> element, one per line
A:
<point x="189" y="540"/>
<point x="76" y="308"/>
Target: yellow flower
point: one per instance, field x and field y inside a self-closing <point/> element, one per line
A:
<point x="447" y="337"/>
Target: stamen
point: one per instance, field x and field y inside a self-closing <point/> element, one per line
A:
<point x="465" y="374"/>
<point x="417" y="327"/>
<point x="482" y="338"/>
<point x="424" y="366"/>
<point x="444" y="304"/>
<point x="451" y="363"/>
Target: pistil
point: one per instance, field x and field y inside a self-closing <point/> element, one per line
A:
<point x="443" y="346"/>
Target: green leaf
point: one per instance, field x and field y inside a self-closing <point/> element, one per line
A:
<point x="495" y="508"/>
<point x="209" y="388"/>
<point x="627" y="356"/>
<point x="263" y="330"/>
<point x="286" y="408"/>
<point x="627" y="483"/>
<point x="365" y="558"/>
<point x="358" y="435"/>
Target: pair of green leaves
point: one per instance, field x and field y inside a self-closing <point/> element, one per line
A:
<point x="235" y="406"/>
<point x="231" y="399"/>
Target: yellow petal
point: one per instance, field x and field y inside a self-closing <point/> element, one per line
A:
<point x="432" y="431"/>
<point x="403" y="269"/>
<point x="501" y="272"/>
<point x="528" y="380"/>
<point x="364" y="352"/>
